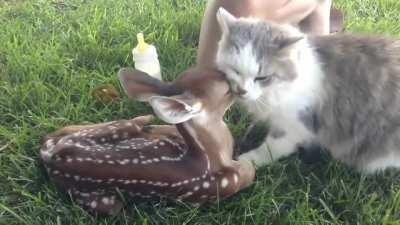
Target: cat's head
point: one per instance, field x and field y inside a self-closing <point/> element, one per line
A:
<point x="256" y="55"/>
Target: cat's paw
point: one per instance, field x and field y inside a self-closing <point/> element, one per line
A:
<point x="257" y="158"/>
<point x="253" y="138"/>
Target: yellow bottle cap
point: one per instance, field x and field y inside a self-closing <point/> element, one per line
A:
<point x="142" y="45"/>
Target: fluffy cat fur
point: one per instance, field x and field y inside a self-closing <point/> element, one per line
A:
<point x="341" y="91"/>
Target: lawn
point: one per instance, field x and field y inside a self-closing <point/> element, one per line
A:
<point x="54" y="53"/>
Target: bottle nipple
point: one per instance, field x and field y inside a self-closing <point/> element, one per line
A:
<point x="142" y="45"/>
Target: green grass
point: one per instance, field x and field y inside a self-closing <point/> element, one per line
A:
<point x="53" y="53"/>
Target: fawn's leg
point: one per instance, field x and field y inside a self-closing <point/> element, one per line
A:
<point x="246" y="172"/>
<point x="221" y="184"/>
<point x="98" y="201"/>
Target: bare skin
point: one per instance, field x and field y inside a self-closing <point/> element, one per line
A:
<point x="312" y="16"/>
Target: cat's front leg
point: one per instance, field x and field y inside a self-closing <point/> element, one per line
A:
<point x="278" y="144"/>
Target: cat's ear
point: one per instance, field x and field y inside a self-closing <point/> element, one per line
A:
<point x="225" y="19"/>
<point x="285" y="44"/>
<point x="175" y="109"/>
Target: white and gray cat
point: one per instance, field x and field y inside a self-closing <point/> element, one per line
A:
<point x="340" y="91"/>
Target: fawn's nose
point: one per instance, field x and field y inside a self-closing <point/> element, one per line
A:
<point x="240" y="91"/>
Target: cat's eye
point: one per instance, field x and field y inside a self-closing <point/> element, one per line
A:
<point x="263" y="79"/>
<point x="236" y="71"/>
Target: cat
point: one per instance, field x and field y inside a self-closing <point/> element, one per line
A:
<point x="339" y="91"/>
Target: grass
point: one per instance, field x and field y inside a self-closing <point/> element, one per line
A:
<point x="53" y="53"/>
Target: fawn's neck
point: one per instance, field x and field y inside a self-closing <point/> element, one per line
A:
<point x="211" y="137"/>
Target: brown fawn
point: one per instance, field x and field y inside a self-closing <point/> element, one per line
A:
<point x="191" y="161"/>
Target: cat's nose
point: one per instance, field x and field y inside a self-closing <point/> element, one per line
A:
<point x="240" y="91"/>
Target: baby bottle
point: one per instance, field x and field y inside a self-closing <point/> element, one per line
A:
<point x="146" y="58"/>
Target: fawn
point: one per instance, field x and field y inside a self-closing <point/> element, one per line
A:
<point x="191" y="161"/>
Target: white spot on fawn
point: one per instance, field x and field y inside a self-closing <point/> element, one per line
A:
<point x="206" y="184"/>
<point x="112" y="200"/>
<point x="78" y="145"/>
<point x="224" y="182"/>
<point x="105" y="200"/>
<point x="85" y="195"/>
<point x="93" y="204"/>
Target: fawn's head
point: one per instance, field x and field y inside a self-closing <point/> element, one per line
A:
<point x="197" y="92"/>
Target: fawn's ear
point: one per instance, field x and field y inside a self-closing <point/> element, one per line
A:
<point x="225" y="19"/>
<point x="141" y="86"/>
<point x="175" y="109"/>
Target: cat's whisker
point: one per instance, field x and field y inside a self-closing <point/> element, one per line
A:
<point x="260" y="108"/>
<point x="261" y="105"/>
<point x="257" y="107"/>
